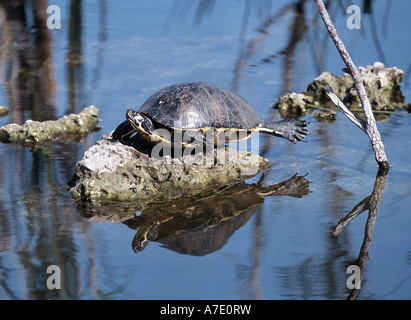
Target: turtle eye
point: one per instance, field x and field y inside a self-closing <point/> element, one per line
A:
<point x="138" y="118"/>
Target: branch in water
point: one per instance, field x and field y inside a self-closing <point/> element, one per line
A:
<point x="369" y="126"/>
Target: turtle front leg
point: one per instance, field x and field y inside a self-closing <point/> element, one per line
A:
<point x="123" y="131"/>
<point x="292" y="129"/>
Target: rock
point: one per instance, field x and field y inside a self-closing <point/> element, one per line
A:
<point x="381" y="84"/>
<point x="70" y="128"/>
<point x="3" y="111"/>
<point x="112" y="171"/>
<point x="293" y="104"/>
<point x="340" y="85"/>
<point x="325" y="116"/>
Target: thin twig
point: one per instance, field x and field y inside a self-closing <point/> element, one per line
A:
<point x="357" y="121"/>
<point x="369" y="126"/>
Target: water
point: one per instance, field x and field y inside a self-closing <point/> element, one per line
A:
<point x="114" y="55"/>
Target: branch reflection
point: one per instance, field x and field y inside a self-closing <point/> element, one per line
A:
<point x="370" y="203"/>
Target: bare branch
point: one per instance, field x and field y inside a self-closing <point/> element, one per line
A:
<point x="334" y="98"/>
<point x="369" y="126"/>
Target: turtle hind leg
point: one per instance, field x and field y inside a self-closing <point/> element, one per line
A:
<point x="292" y="129"/>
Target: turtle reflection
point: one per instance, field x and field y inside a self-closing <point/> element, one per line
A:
<point x="204" y="225"/>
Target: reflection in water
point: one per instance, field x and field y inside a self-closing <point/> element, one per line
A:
<point x="39" y="226"/>
<point x="101" y="38"/>
<point x="370" y="203"/>
<point x="74" y="62"/>
<point x="246" y="53"/>
<point x="38" y="222"/>
<point x="250" y="285"/>
<point x="297" y="33"/>
<point x="195" y="227"/>
<point x="324" y="274"/>
<point x="30" y="81"/>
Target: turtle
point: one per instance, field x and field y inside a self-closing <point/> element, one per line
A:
<point x="192" y="114"/>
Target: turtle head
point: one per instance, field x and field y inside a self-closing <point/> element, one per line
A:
<point x="134" y="116"/>
<point x="140" y="122"/>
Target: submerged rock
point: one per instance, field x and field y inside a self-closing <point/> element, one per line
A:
<point x="112" y="171"/>
<point x="70" y="128"/>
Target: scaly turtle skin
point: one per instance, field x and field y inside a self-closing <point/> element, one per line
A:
<point x="198" y="113"/>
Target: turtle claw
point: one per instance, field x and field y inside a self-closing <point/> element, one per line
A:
<point x="292" y="129"/>
<point x="301" y="131"/>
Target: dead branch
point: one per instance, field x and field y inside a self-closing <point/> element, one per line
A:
<point x="369" y="126"/>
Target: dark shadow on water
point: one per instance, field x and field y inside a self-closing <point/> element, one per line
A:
<point x="194" y="226"/>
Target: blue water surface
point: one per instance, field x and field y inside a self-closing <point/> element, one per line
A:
<point x="114" y="55"/>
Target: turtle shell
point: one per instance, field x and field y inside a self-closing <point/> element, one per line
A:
<point x="194" y="105"/>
